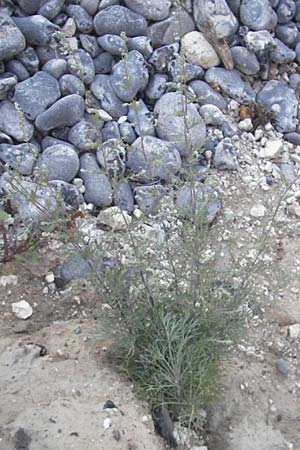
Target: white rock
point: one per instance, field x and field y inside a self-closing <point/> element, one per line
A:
<point x="69" y="27"/>
<point x="199" y="51"/>
<point x="107" y="423"/>
<point x="294" y="331"/>
<point x="22" y="310"/>
<point x="246" y="125"/>
<point x="258" y="211"/>
<point x="50" y="277"/>
<point x="272" y="149"/>
<point x="114" y="218"/>
<point x="8" y="279"/>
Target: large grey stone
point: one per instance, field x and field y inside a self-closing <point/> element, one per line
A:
<point x="111" y="155"/>
<point x="103" y="91"/>
<point x="231" y="83"/>
<point x="206" y="95"/>
<point x="225" y="155"/>
<point x="258" y="15"/>
<point x="55" y="67"/>
<point x="13" y="122"/>
<point x="129" y="76"/>
<point x="174" y="124"/>
<point x="168" y="31"/>
<point x="50" y="8"/>
<point x="103" y="63"/>
<point x="85" y="136"/>
<point x="286" y="11"/>
<point x="64" y="113"/>
<point x="60" y="161"/>
<point x="81" y="64"/>
<point x="201" y="203"/>
<point x="112" y="44"/>
<point x="20" y="157"/>
<point x="36" y="94"/>
<point x="117" y="19"/>
<point x="287" y="33"/>
<point x="150" y="158"/>
<point x="30" y="59"/>
<point x="141" y="118"/>
<point x="148" y="197"/>
<point x="218" y="12"/>
<point x="15" y="67"/>
<point x="245" y="61"/>
<point x="98" y="190"/>
<point x="282" y="54"/>
<point x="277" y="97"/>
<point x="37" y="29"/>
<point x="84" y="22"/>
<point x="157" y="86"/>
<point x="12" y="40"/>
<point x="150" y="9"/>
<point x="70" y="84"/>
<point x="29" y="6"/>
<point x="77" y="265"/>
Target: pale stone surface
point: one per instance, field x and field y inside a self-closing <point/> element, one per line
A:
<point x="199" y="51"/>
<point x="258" y="211"/>
<point x="272" y="149"/>
<point x="114" y="218"/>
<point x="22" y="310"/>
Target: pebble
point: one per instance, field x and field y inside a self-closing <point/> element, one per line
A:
<point x="245" y="125"/>
<point x="107" y="423"/>
<point x="65" y="112"/>
<point x="60" y="161"/>
<point x="12" y="40"/>
<point x="282" y="366"/>
<point x="7" y="280"/>
<point x="258" y="211"/>
<point x="22" y="309"/>
<point x="223" y="19"/>
<point x="114" y="218"/>
<point x="50" y="277"/>
<point x="294" y="331"/>
<point x="272" y="149"/>
<point x="118" y="19"/>
<point x="199" y="51"/>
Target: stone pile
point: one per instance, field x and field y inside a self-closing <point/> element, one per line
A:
<point x="90" y="93"/>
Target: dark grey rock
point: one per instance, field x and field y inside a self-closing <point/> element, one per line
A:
<point x="219" y="13"/>
<point x="68" y="192"/>
<point x="20" y="157"/>
<point x="29" y="59"/>
<point x="183" y="73"/>
<point x="258" y="15"/>
<point x="111" y="131"/>
<point x="50" y="8"/>
<point x="90" y="44"/>
<point x="29" y="6"/>
<point x="103" y="63"/>
<point x="206" y="95"/>
<point x="13" y="122"/>
<point x="282" y="54"/>
<point x="166" y="31"/>
<point x="37" y="29"/>
<point x="118" y="19"/>
<point x="278" y="97"/>
<point x="151" y="158"/>
<point x="141" y="118"/>
<point x="148" y="197"/>
<point x="229" y="131"/>
<point x="225" y="156"/>
<point x="55" y="67"/>
<point x="70" y="84"/>
<point x="7" y="83"/>
<point x="85" y="136"/>
<point x="98" y="190"/>
<point x="142" y="44"/>
<point x="282" y="366"/>
<point x="124" y="196"/>
<point x="60" y="19"/>
<point x="64" y="113"/>
<point x="129" y="76"/>
<point x="287" y="33"/>
<point x="61" y="162"/>
<point x="12" y="40"/>
<point x="150" y="9"/>
<point x="45" y="53"/>
<point x="127" y="132"/>
<point x="36" y="94"/>
<point x="76" y="266"/>
<point x="203" y="200"/>
<point x="112" y="44"/>
<point x="234" y="5"/>
<point x="171" y="123"/>
<point x="157" y="86"/>
<point x="103" y="91"/>
<point x="16" y="67"/>
<point x="245" y="61"/>
<point x="84" y="22"/>
<point x="81" y="64"/>
<point x="293" y="138"/>
<point x="5" y="139"/>
<point x="297" y="13"/>
<point x="49" y="141"/>
<point x="91" y="6"/>
<point x="161" y="57"/>
<point x="111" y="155"/>
<point x="285" y="11"/>
<point x="297" y="50"/>
<point x="231" y="84"/>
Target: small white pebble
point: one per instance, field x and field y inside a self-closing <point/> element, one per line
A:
<point x="50" y="277"/>
<point x="107" y="423"/>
